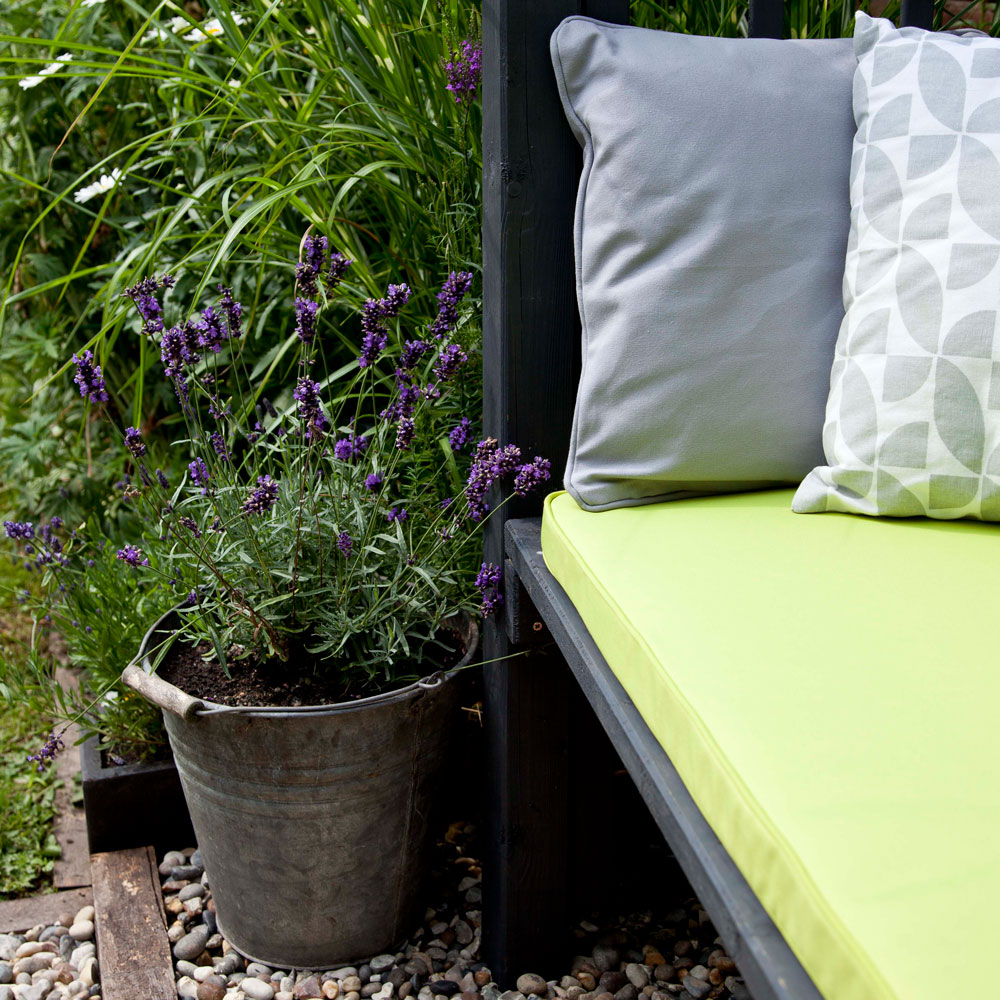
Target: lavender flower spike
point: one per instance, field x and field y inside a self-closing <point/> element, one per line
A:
<point x="305" y="320"/>
<point x="133" y="441"/>
<point x="45" y="756"/>
<point x="306" y="394"/>
<point x="19" y="529"/>
<point x="261" y="499"/>
<point x="465" y="71"/>
<point x="199" y="474"/>
<point x="132" y="555"/>
<point x="345" y="543"/>
<point x="452" y="292"/>
<point x="88" y="377"/>
<point x="488" y="584"/>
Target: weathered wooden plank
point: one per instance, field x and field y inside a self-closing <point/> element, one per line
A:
<point x="18" y="915"/>
<point x="765" y="960"/>
<point x="72" y="870"/>
<point x="131" y="930"/>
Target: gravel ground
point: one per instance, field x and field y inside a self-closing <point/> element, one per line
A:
<point x="54" y="962"/>
<point x="669" y="955"/>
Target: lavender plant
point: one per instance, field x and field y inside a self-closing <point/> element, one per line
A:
<point x="333" y="530"/>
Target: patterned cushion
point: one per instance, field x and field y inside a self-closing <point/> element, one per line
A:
<point x="913" y="418"/>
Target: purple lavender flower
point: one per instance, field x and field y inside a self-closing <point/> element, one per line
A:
<point x="212" y="332"/>
<point x="374" y="313"/>
<point x="162" y="479"/>
<point x="306" y="393"/>
<point x="133" y="441"/>
<point x="413" y="351"/>
<point x="144" y="475"/>
<point x="404" y="433"/>
<point x="446" y="503"/>
<point x="191" y="599"/>
<point x="532" y="475"/>
<point x="179" y="347"/>
<point x="335" y="272"/>
<point x="345" y="543"/>
<point x="199" y="474"/>
<point x="449" y="361"/>
<point x="305" y="320"/>
<point x="144" y="295"/>
<point x="219" y="445"/>
<point x="308" y="270"/>
<point x="19" y="529"/>
<point x="233" y="311"/>
<point x="452" y="292"/>
<point x="45" y="756"/>
<point x="132" y="555"/>
<point x="88" y="377"/>
<point x="262" y="498"/>
<point x="459" y="434"/>
<point x="217" y="526"/>
<point x="268" y="406"/>
<point x="488" y="584"/>
<point x="490" y="464"/>
<point x="465" y="71"/>
<point x="191" y="525"/>
<point x="373" y="482"/>
<point x="397" y="514"/>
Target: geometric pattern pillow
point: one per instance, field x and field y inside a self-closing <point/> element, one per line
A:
<point x="913" y="417"/>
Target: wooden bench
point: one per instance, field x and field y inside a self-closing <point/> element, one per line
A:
<point x="531" y="367"/>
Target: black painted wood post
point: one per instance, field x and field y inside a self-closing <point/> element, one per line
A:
<point x="917" y="14"/>
<point x="531" y="348"/>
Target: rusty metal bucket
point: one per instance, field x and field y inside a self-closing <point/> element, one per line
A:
<point x="312" y="821"/>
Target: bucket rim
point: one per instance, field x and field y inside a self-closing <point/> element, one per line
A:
<point x="140" y="675"/>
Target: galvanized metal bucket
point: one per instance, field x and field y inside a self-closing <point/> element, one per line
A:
<point x="312" y="821"/>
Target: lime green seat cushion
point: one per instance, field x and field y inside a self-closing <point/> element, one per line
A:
<point x="827" y="688"/>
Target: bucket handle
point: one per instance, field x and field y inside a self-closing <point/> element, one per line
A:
<point x="161" y="693"/>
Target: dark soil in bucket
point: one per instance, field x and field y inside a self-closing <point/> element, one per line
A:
<point x="299" y="681"/>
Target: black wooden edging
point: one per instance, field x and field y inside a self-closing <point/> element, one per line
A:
<point x="767" y="963"/>
<point x="133" y="805"/>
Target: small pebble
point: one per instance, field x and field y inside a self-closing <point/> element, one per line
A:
<point x="530" y="982"/>
<point x="256" y="989"/>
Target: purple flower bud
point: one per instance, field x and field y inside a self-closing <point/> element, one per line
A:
<point x="488" y="584"/>
<point x="465" y="71"/>
<point x="133" y="441"/>
<point x="132" y="555"/>
<point x="449" y="361"/>
<point x="373" y="482"/>
<point x="88" y="377"/>
<point x="52" y="746"/>
<point x="261" y="499"/>
<point x="233" y="312"/>
<point x="397" y="514"/>
<point x="451" y="294"/>
<point x="335" y="273"/>
<point x="459" y="434"/>
<point x="404" y="433"/>
<point x="219" y="444"/>
<point x="305" y="320"/>
<point x="345" y="543"/>
<point x="19" y="529"/>
<point x="162" y="479"/>
<point x="199" y="474"/>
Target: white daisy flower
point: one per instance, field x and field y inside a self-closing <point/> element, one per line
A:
<point x="33" y="81"/>
<point x="174" y="25"/>
<point x="91" y="3"/>
<point x="211" y="29"/>
<point x="102" y="186"/>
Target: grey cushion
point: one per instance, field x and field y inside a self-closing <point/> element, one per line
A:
<point x="711" y="231"/>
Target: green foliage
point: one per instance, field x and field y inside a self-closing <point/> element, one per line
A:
<point x="332" y="111"/>
<point x="27" y="845"/>
<point x="803" y="18"/>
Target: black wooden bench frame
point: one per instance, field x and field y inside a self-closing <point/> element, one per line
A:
<point x="531" y="358"/>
